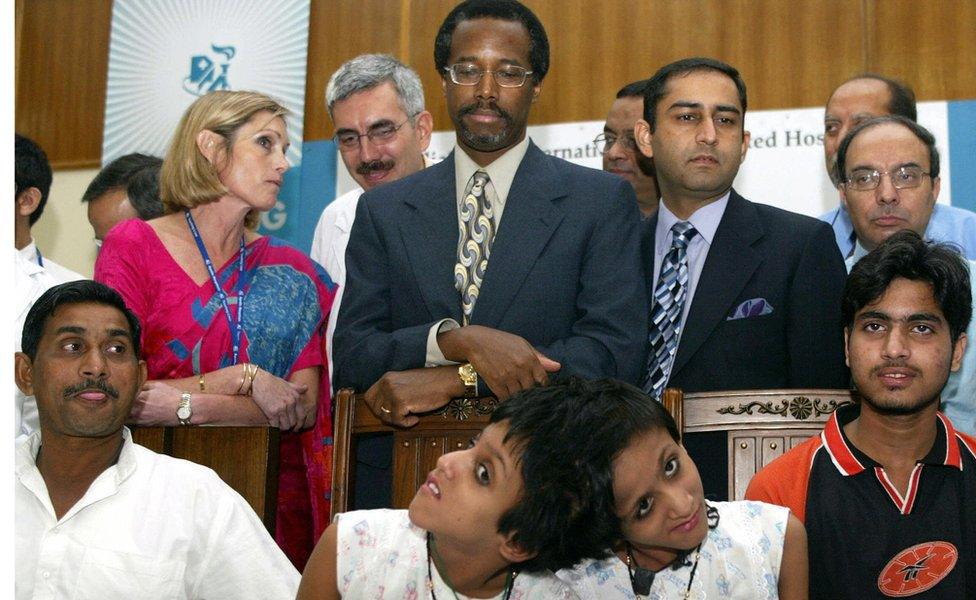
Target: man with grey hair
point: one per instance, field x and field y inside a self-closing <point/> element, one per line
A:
<point x="382" y="130"/>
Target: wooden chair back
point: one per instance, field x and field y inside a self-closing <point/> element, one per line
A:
<point x="415" y="450"/>
<point x="246" y="458"/>
<point x="761" y="424"/>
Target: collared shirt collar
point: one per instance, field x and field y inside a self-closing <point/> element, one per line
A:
<point x="859" y="251"/>
<point x="26" y="469"/>
<point x="501" y="171"/>
<point x="705" y="220"/>
<point x="29" y="252"/>
<point x="849" y="460"/>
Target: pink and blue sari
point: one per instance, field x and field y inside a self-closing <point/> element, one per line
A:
<point x="185" y="333"/>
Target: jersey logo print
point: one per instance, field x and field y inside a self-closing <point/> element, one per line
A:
<point x="917" y="569"/>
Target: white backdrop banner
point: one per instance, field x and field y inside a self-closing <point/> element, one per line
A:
<point x="784" y="166"/>
<point x="164" y="54"/>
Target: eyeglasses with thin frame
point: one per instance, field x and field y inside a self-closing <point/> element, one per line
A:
<point x="378" y="134"/>
<point x="605" y="141"/>
<point x="903" y="178"/>
<point x="507" y="76"/>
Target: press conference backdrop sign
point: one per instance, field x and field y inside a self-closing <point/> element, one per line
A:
<point x="784" y="166"/>
<point x="164" y="54"/>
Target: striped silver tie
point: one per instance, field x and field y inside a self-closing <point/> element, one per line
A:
<point x="669" y="301"/>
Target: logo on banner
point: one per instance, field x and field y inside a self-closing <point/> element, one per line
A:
<point x="208" y="73"/>
<point x="275" y="218"/>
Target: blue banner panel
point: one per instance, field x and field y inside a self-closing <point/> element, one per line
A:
<point x="962" y="152"/>
<point x="306" y="191"/>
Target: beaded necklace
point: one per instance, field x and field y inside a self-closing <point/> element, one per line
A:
<point x="432" y="556"/>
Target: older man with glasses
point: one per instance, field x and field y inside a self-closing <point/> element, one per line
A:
<point x="382" y="131"/>
<point x="889" y="172"/>
<point x="499" y="267"/>
<point x="617" y="146"/>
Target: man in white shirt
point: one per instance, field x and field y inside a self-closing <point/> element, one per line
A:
<point x="30" y="281"/>
<point x="98" y="516"/>
<point x="382" y="130"/>
<point x="33" y="177"/>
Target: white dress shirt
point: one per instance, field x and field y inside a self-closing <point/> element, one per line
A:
<point x="62" y="274"/>
<point x="150" y="526"/>
<point x="329" y="250"/>
<point x="501" y="174"/>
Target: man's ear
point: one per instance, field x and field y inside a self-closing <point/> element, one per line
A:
<point x="847" y="353"/>
<point x="28" y="201"/>
<point x="424" y="126"/>
<point x="536" y="90"/>
<point x="513" y="552"/>
<point x="746" y="137"/>
<point x="209" y="144"/>
<point x="642" y="136"/>
<point x="143" y="373"/>
<point x="24" y="373"/>
<point x="958" y="350"/>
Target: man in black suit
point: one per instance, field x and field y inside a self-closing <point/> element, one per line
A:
<point x="744" y="295"/>
<point x="500" y="266"/>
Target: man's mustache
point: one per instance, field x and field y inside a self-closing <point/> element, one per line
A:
<point x="374" y="165"/>
<point x="91" y="384"/>
<point x="474" y="106"/>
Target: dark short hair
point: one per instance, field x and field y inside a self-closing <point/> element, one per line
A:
<point x="657" y="85"/>
<point x="633" y="90"/>
<point x="74" y="292"/>
<point x="138" y="174"/>
<point x="31" y="169"/>
<point x="905" y="254"/>
<point x="567" y="435"/>
<point x="505" y="10"/>
<point x="902" y="97"/>
<point x="923" y="134"/>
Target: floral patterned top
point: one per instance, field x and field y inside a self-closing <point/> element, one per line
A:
<point x="739" y="559"/>
<point x="380" y="554"/>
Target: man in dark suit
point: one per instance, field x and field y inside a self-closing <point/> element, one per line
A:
<point x="500" y="266"/>
<point x="745" y="296"/>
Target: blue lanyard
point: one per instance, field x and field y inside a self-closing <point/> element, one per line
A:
<point x="40" y="259"/>
<point x="236" y="326"/>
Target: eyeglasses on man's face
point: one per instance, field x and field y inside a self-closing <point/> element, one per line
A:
<point x="605" y="141"/>
<point x="903" y="178"/>
<point x="507" y="76"/>
<point x="381" y="133"/>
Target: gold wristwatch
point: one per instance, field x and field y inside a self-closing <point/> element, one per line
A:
<point x="469" y="377"/>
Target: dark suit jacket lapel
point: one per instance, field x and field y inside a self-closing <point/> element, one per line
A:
<point x="430" y="235"/>
<point x="730" y="263"/>
<point x="528" y="221"/>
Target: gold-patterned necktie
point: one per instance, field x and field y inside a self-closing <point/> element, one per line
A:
<point x="477" y="230"/>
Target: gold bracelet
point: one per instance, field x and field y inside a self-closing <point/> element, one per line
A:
<point x="252" y="373"/>
<point x="240" y="388"/>
<point x="203" y="386"/>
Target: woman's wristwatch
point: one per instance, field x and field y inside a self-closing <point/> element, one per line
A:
<point x="184" y="410"/>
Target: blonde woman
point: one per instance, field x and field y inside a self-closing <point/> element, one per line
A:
<point x="232" y="320"/>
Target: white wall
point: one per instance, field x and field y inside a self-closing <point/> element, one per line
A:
<point x="63" y="233"/>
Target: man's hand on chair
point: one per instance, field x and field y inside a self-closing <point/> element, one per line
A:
<point x="399" y="396"/>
